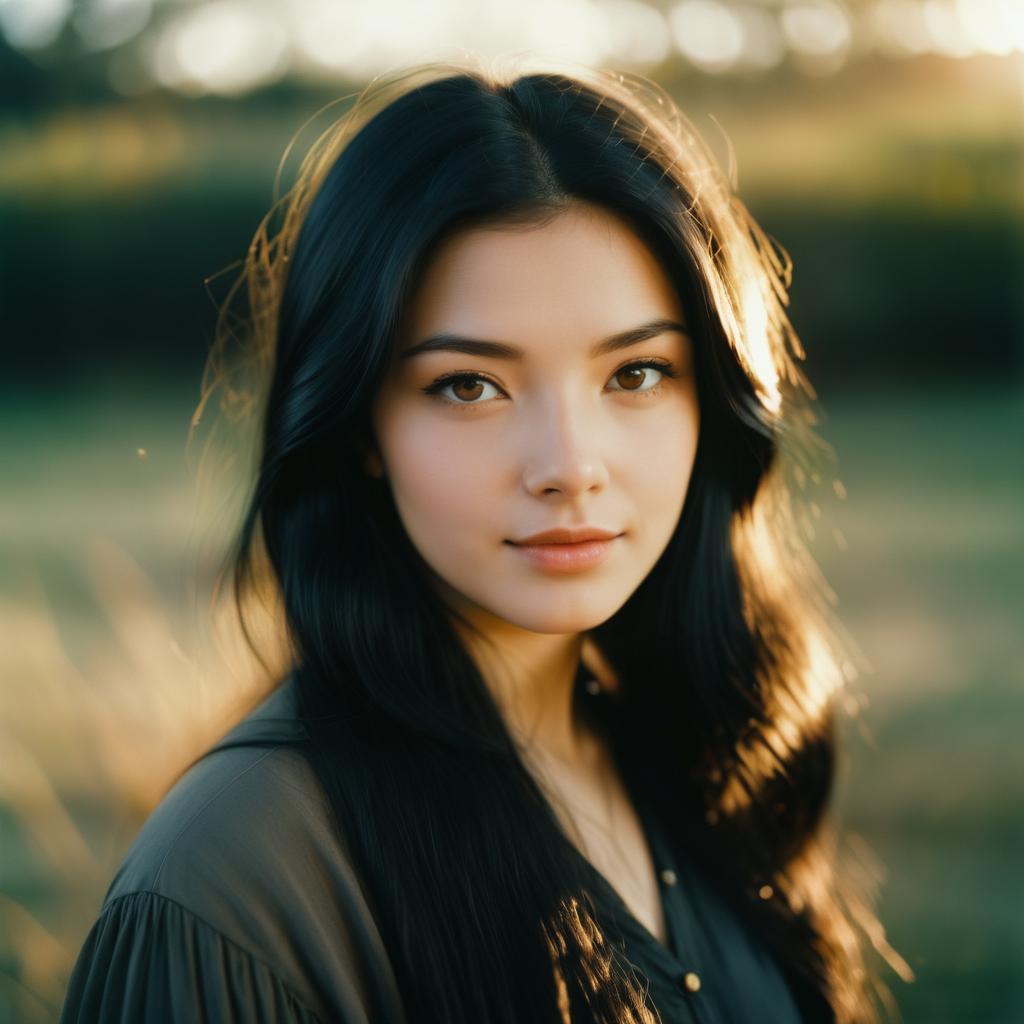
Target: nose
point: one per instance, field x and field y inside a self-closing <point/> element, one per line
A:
<point x="563" y="452"/>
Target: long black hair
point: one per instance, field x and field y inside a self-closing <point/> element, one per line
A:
<point x="726" y="664"/>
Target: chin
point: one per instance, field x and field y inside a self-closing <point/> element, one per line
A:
<point x="561" y="618"/>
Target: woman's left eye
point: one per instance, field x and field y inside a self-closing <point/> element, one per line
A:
<point x="665" y="369"/>
<point x="453" y="379"/>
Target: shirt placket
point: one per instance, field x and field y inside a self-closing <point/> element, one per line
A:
<point x="679" y="960"/>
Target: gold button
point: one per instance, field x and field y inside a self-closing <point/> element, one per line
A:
<point x="668" y="876"/>
<point x="691" y="981"/>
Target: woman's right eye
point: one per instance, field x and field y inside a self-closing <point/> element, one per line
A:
<point x="468" y="382"/>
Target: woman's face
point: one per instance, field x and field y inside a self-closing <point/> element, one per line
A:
<point x="544" y="428"/>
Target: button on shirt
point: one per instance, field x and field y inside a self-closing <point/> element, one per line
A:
<point x="712" y="971"/>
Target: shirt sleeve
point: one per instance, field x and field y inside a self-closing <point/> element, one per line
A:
<point x="148" y="958"/>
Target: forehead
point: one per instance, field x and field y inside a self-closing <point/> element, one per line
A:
<point x="580" y="275"/>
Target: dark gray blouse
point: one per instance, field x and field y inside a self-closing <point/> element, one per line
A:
<point x="237" y="902"/>
<point x="712" y="971"/>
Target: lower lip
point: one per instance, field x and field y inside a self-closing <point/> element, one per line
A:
<point x="566" y="557"/>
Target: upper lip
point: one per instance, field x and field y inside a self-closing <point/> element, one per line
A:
<point x="568" y="535"/>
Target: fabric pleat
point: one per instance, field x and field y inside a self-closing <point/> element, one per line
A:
<point x="147" y="958"/>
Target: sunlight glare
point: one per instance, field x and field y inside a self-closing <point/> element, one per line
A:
<point x="226" y="47"/>
<point x="33" y="24"/>
<point x="638" y="33"/>
<point x="707" y="33"/>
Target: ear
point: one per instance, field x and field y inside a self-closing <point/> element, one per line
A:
<point x="368" y="453"/>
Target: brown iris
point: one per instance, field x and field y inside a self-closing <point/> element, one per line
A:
<point x="639" y="372"/>
<point x="473" y="384"/>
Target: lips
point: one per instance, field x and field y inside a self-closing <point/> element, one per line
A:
<point x="567" y="535"/>
<point x="566" y="550"/>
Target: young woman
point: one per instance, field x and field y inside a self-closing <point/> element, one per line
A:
<point x="557" y="742"/>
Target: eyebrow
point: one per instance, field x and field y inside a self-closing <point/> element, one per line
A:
<point x="447" y="342"/>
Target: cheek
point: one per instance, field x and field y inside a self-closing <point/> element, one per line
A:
<point x="438" y="483"/>
<point x="662" y="460"/>
<point x="656" y="479"/>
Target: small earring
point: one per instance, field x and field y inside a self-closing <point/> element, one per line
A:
<point x="374" y="467"/>
<point x="593" y="686"/>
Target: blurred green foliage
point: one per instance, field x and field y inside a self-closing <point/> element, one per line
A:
<point x="907" y="235"/>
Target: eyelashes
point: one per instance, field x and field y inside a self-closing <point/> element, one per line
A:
<point x="663" y="366"/>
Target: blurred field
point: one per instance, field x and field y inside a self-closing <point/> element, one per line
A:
<point x="110" y="672"/>
<point x="931" y="588"/>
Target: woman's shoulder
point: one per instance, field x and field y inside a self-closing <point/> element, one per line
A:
<point x="238" y="877"/>
<point x="232" y="823"/>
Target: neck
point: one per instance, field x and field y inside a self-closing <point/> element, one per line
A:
<point x="532" y="679"/>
